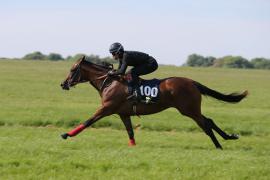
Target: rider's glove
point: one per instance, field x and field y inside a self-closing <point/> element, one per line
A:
<point x="111" y="73"/>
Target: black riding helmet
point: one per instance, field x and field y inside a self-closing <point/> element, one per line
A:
<point x="116" y="48"/>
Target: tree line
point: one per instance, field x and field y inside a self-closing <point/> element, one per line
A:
<point x="195" y="60"/>
<point x="58" y="57"/>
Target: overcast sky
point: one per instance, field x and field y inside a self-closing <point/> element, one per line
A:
<point x="168" y="30"/>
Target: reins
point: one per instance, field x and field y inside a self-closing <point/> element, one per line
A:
<point x="104" y="82"/>
<point x="101" y="77"/>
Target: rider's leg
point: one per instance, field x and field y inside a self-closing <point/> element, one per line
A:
<point x="135" y="82"/>
<point x="140" y="70"/>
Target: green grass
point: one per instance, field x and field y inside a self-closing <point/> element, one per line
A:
<point x="39" y="153"/>
<point x="34" y="111"/>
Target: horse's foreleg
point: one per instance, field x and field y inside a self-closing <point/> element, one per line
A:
<point x="127" y="122"/>
<point x="100" y="113"/>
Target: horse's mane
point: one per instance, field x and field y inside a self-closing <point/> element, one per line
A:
<point x="104" y="66"/>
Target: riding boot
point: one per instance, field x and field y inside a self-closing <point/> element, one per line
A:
<point x="136" y="92"/>
<point x="135" y="89"/>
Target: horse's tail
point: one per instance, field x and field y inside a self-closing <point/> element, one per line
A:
<point x="232" y="98"/>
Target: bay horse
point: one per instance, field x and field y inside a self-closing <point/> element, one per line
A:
<point x="178" y="92"/>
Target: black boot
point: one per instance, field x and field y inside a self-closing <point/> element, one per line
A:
<point x="135" y="95"/>
<point x="136" y="92"/>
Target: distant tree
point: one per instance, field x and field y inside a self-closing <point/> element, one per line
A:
<point x="218" y="62"/>
<point x="55" y="57"/>
<point x="75" y="57"/>
<point x="209" y="61"/>
<point x="94" y="59"/>
<point x="236" y="62"/>
<point x="35" y="56"/>
<point x="198" y="60"/>
<point x="261" y="63"/>
<point x="108" y="60"/>
<point x="68" y="57"/>
<point x="195" y="60"/>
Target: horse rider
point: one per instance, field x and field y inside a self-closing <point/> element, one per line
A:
<point x="142" y="64"/>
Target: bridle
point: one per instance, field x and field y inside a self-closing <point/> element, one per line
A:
<point x="76" y="77"/>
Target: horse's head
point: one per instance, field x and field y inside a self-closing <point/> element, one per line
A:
<point x="83" y="71"/>
<point x="75" y="75"/>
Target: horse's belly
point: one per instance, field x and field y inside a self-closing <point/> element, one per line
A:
<point x="141" y="109"/>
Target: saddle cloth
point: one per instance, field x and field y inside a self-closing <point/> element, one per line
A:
<point x="149" y="89"/>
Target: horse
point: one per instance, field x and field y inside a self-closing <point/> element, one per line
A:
<point x="181" y="93"/>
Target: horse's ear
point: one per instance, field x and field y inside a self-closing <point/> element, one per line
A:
<point x="83" y="58"/>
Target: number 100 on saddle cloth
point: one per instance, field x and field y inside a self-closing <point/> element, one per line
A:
<point x="149" y="90"/>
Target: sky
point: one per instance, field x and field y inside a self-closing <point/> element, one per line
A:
<point x="167" y="30"/>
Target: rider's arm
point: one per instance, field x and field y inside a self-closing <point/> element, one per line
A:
<point x="122" y="68"/>
<point x="119" y="65"/>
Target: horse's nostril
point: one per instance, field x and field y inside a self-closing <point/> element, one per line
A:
<point x="62" y="84"/>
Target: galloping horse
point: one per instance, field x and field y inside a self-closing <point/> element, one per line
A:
<point x="181" y="93"/>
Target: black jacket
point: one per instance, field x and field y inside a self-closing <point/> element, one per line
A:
<point x="133" y="58"/>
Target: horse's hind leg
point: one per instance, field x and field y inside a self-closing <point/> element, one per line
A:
<point x="219" y="131"/>
<point x="203" y="123"/>
<point x="207" y="129"/>
<point x="188" y="103"/>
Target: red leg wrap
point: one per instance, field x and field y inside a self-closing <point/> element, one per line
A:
<point x="77" y="130"/>
<point x="132" y="142"/>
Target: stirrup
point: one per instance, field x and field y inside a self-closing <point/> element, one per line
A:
<point x="131" y="96"/>
<point x="134" y="95"/>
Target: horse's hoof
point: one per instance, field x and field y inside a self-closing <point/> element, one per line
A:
<point x="219" y="147"/>
<point x="234" y="136"/>
<point x="64" y="136"/>
<point x="132" y="143"/>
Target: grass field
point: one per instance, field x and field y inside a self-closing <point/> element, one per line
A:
<point x="35" y="111"/>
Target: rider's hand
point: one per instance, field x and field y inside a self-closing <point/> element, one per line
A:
<point x="111" y="73"/>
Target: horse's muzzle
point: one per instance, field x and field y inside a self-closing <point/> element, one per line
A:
<point x="65" y="85"/>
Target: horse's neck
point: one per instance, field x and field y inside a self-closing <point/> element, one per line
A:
<point x="95" y="86"/>
<point x="93" y="78"/>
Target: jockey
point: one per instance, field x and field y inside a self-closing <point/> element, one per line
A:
<point x="142" y="64"/>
